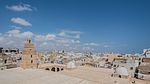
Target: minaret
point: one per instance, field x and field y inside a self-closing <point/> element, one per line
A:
<point x="29" y="55"/>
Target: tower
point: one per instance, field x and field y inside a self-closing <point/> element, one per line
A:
<point x="29" y="55"/>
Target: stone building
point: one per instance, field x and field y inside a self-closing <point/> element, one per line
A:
<point x="144" y="69"/>
<point x="29" y="55"/>
<point x="146" y="53"/>
<point x="9" y="58"/>
<point x="10" y="51"/>
<point x="53" y="56"/>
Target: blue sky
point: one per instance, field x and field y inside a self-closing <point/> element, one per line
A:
<point x="97" y="25"/>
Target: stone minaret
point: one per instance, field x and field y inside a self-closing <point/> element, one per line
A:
<point x="29" y="55"/>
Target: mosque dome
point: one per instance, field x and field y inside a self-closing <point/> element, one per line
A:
<point x="122" y="71"/>
<point x="71" y="64"/>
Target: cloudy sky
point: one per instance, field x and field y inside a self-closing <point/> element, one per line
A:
<point x="79" y="25"/>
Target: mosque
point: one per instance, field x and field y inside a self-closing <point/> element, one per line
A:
<point x="29" y="55"/>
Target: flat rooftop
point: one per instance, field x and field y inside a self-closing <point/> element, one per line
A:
<point x="81" y="75"/>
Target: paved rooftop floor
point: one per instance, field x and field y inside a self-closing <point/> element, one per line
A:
<point x="81" y="75"/>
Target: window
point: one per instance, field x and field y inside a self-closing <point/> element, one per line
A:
<point x="5" y="61"/>
<point x="31" y="61"/>
<point x="114" y="65"/>
<point x="29" y="41"/>
<point x="62" y="69"/>
<point x="57" y="69"/>
<point x="119" y="56"/>
<point x="31" y="56"/>
<point x="131" y="68"/>
<point x="47" y="69"/>
<point x="6" y="51"/>
<point x="119" y="76"/>
<point x="53" y="69"/>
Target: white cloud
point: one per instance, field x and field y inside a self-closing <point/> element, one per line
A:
<point x="16" y="27"/>
<point x="20" y="7"/>
<point x="106" y="46"/>
<point x="47" y="37"/>
<point x="44" y="44"/>
<point x="14" y="33"/>
<point x="70" y="34"/>
<point x="16" y="38"/>
<point x="62" y="34"/>
<point x="27" y="34"/>
<point x="50" y="37"/>
<point x="88" y="48"/>
<point x="21" y="21"/>
<point x="40" y="38"/>
<point x="75" y="41"/>
<point x="63" y="41"/>
<point x="17" y="33"/>
<point x="91" y="44"/>
<point x="12" y="38"/>
<point x="1" y="39"/>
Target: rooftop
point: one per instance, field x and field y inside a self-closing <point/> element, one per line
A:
<point x="81" y="75"/>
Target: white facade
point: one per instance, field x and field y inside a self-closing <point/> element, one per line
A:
<point x="71" y="65"/>
<point x="146" y="52"/>
<point x="122" y="71"/>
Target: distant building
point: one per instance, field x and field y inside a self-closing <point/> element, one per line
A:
<point x="10" y="51"/>
<point x="111" y="57"/>
<point x="127" y="63"/>
<point x="146" y="53"/>
<point x="29" y="55"/>
<point x="121" y="72"/>
<point x="144" y="69"/>
<point x="1" y="49"/>
<point x="9" y="58"/>
<point x="71" y="65"/>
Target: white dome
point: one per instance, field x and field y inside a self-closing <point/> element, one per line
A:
<point x="71" y="64"/>
<point x="122" y="71"/>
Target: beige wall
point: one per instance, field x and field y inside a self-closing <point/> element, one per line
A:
<point x="29" y="56"/>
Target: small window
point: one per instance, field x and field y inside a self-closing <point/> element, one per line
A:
<point x="29" y="41"/>
<point x="114" y="65"/>
<point x="119" y="56"/>
<point x="119" y="76"/>
<point x="31" y="56"/>
<point x="5" y="61"/>
<point x="131" y="68"/>
<point x="31" y="61"/>
<point x="62" y="69"/>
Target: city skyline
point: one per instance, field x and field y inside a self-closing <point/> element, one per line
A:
<point x="101" y="26"/>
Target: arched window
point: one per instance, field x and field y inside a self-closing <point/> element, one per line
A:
<point x="62" y="69"/>
<point x="57" y="69"/>
<point x="53" y="69"/>
<point x="29" y="41"/>
<point x="47" y="69"/>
